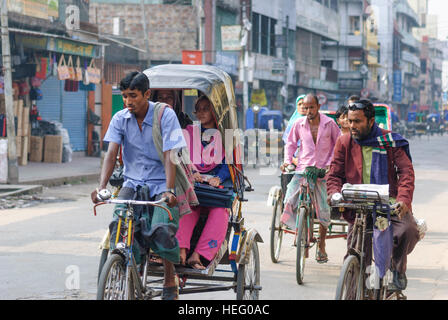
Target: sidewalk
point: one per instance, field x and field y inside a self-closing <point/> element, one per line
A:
<point x="81" y="168"/>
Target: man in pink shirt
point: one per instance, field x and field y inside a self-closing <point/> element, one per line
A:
<point x="318" y="134"/>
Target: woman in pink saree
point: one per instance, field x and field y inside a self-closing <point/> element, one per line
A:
<point x="207" y="156"/>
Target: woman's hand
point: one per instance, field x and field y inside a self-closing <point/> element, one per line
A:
<point x="214" y="182"/>
<point x="197" y="177"/>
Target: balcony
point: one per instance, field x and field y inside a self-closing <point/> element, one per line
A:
<point x="350" y="80"/>
<point x="352" y="40"/>
<point x="403" y="8"/>
<point x="410" y="57"/>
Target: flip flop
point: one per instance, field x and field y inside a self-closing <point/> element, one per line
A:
<point x="193" y="264"/>
<point x="321" y="257"/>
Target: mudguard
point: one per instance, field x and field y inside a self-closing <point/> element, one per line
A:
<point x="274" y="194"/>
<point x="250" y="236"/>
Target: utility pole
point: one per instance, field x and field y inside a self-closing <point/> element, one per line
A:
<point x="286" y="61"/>
<point x="145" y="31"/>
<point x="246" y="26"/>
<point x="200" y="20"/>
<point x="13" y="169"/>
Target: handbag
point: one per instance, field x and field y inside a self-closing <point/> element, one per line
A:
<point x="63" y="72"/>
<point x="71" y="85"/>
<point x="383" y="242"/>
<point x="71" y="69"/>
<point x="78" y="70"/>
<point x="41" y="72"/>
<point x="209" y="196"/>
<point x="93" y="73"/>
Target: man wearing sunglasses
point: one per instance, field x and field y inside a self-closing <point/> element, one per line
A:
<point x="371" y="155"/>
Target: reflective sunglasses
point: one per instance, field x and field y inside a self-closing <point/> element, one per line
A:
<point x="356" y="106"/>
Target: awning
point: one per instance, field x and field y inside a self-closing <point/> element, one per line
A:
<point x="58" y="43"/>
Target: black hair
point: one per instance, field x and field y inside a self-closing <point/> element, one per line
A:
<point x="369" y="108"/>
<point x="341" y="111"/>
<point x="135" y="80"/>
<point x="354" y="98"/>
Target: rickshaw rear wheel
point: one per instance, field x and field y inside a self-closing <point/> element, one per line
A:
<point x="276" y="231"/>
<point x="248" y="278"/>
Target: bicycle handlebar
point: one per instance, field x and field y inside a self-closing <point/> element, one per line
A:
<point x="136" y="202"/>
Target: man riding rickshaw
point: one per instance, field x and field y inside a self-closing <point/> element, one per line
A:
<point x="238" y="251"/>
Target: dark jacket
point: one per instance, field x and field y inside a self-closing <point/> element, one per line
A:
<point x="346" y="167"/>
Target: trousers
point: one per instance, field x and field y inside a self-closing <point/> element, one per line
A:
<point x="212" y="235"/>
<point x="405" y="234"/>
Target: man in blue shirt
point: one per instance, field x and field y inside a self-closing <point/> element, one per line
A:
<point x="132" y="128"/>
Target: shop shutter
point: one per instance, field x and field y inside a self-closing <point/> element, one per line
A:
<point x="73" y="114"/>
<point x="74" y="117"/>
<point x="50" y="105"/>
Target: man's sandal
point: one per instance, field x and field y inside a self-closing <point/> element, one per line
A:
<point x="321" y="257"/>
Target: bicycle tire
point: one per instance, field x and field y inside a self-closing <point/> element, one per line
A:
<point x="276" y="232"/>
<point x="301" y="242"/>
<point x="113" y="273"/>
<point x="249" y="276"/>
<point x="103" y="259"/>
<point x="349" y="278"/>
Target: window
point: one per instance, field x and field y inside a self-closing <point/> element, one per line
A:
<point x="334" y="5"/>
<point x="327" y="64"/>
<point x="354" y="25"/>
<point x="263" y="34"/>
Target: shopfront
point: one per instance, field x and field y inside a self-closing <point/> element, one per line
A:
<point x="42" y="87"/>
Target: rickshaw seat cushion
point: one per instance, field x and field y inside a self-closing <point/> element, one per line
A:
<point x="209" y="196"/>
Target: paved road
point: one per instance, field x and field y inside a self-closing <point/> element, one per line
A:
<point x="43" y="247"/>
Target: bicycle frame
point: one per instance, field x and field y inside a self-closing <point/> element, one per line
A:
<point x="124" y="241"/>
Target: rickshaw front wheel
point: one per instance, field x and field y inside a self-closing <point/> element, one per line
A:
<point x="248" y="278"/>
<point x="276" y="230"/>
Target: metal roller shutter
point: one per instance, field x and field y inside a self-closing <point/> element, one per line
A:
<point x="74" y="117"/>
<point x="73" y="113"/>
<point x="50" y="105"/>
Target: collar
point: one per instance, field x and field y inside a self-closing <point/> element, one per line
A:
<point x="148" y="117"/>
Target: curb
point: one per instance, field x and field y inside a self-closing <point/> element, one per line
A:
<point x="18" y="189"/>
<point x="53" y="182"/>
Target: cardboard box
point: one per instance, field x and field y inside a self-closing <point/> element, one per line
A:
<point x="18" y="147"/>
<point x="24" y="159"/>
<point x="19" y="118"/>
<point x="53" y="149"/>
<point x="25" y="121"/>
<point x="36" y="148"/>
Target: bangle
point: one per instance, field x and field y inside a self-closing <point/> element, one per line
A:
<point x="171" y="190"/>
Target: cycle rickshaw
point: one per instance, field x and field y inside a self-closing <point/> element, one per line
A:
<point x="306" y="231"/>
<point x="236" y="266"/>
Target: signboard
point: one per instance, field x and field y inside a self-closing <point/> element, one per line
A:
<point x="259" y="97"/>
<point x="192" y="57"/>
<point x="57" y="45"/>
<point x="322" y="98"/>
<point x="280" y="41"/>
<point x="230" y="38"/>
<point x="43" y="9"/>
<point x="397" y="96"/>
<point x="278" y="66"/>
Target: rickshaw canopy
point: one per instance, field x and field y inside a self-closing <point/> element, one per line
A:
<point x="383" y="116"/>
<point x="211" y="81"/>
